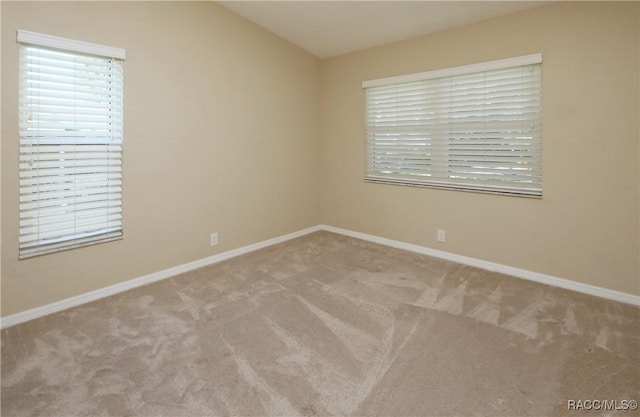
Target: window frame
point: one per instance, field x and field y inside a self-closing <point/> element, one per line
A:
<point x="70" y="178"/>
<point x="433" y="170"/>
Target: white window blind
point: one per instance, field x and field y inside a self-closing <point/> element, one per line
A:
<point x="70" y="107"/>
<point x="475" y="128"/>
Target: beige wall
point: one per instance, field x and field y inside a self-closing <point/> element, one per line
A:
<point x="221" y="134"/>
<point x="586" y="227"/>
<point x="231" y="129"/>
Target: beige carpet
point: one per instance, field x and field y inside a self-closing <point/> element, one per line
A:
<point x="327" y="325"/>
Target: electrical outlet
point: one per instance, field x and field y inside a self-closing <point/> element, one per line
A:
<point x="442" y="237"/>
<point x="213" y="239"/>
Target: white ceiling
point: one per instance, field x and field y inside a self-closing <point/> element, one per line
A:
<point x="330" y="28"/>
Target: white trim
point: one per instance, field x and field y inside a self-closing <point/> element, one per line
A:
<point x="492" y="266"/>
<point x="34" y="313"/>
<point x="41" y="39"/>
<point x="461" y="70"/>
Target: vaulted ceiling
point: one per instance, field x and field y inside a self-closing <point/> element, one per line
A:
<point x="330" y="28"/>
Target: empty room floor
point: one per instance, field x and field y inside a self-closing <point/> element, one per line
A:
<point x="326" y="325"/>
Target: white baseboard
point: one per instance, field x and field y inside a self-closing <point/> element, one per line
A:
<point x="491" y="266"/>
<point x="27" y="315"/>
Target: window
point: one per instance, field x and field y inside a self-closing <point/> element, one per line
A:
<point x="474" y="128"/>
<point x="70" y="115"/>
